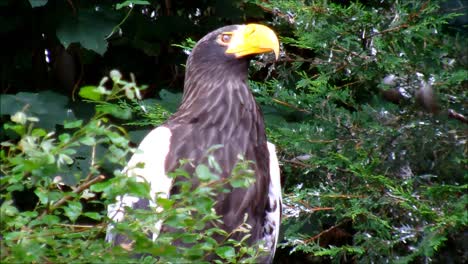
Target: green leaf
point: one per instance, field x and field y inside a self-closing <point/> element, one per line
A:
<point x="189" y="237"/>
<point x="63" y="158"/>
<point x="226" y="252"/>
<point x="90" y="93"/>
<point x="115" y="110"/>
<point x="38" y="132"/>
<point x="138" y="189"/>
<point x="72" y="124"/>
<point x="46" y="219"/>
<point x="101" y="186"/>
<point x="93" y="215"/>
<point x="42" y="195"/>
<point x="242" y="181"/>
<point x="204" y="173"/>
<point x="88" y="141"/>
<point x="169" y="101"/>
<point x="73" y="210"/>
<point x="51" y="108"/>
<point x="131" y="2"/>
<point x="37" y="3"/>
<point x="166" y="204"/>
<point x="19" y="129"/>
<point x="64" y="138"/>
<point x="89" y="28"/>
<point x="7" y="209"/>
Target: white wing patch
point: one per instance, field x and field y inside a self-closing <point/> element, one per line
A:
<point x="152" y="153"/>
<point x="273" y="217"/>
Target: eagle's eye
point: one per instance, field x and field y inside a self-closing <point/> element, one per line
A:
<point x="225" y="38"/>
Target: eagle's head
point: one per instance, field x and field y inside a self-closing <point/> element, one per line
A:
<point x="226" y="51"/>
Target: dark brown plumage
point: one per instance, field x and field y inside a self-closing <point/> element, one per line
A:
<point x="217" y="109"/>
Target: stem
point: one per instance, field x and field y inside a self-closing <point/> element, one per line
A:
<point x="324" y="232"/>
<point x="79" y="189"/>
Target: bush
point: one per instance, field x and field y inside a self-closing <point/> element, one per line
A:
<point x="66" y="221"/>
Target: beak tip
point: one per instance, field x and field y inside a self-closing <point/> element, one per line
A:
<point x="277" y="53"/>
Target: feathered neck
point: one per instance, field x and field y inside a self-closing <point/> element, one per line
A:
<point x="217" y="94"/>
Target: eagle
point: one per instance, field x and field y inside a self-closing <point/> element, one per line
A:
<point x="219" y="109"/>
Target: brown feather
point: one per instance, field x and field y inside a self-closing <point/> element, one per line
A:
<point x="219" y="109"/>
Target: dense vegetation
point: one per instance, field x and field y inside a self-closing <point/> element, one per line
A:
<point x="366" y="105"/>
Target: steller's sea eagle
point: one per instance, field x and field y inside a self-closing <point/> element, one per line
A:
<point x="217" y="109"/>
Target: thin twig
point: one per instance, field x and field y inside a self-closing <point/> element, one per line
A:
<point x="355" y="54"/>
<point x="44" y="234"/>
<point x="402" y="26"/>
<point x="80" y="226"/>
<point x="325" y="231"/>
<point x="347" y="196"/>
<point x="348" y="84"/>
<point x="325" y="140"/>
<point x="314" y="209"/>
<point x="79" y="189"/>
<point x="291" y="106"/>
<point x="296" y="162"/>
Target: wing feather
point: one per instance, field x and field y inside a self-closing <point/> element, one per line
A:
<point x="273" y="212"/>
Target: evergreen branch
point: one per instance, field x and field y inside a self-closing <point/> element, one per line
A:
<point x="325" y="231"/>
<point x="291" y="106"/>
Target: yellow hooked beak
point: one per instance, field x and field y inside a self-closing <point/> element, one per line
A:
<point x="253" y="39"/>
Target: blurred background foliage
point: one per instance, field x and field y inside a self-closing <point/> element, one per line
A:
<point x="367" y="105"/>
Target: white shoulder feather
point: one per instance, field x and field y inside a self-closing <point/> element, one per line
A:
<point x="152" y="153"/>
<point x="273" y="217"/>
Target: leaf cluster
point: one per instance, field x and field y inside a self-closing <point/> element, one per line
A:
<point x="63" y="217"/>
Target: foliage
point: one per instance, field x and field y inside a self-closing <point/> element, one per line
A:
<point x="366" y="105"/>
<point x="364" y="176"/>
<point x="63" y="223"/>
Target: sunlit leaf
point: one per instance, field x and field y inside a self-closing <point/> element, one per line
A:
<point x="90" y="92"/>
